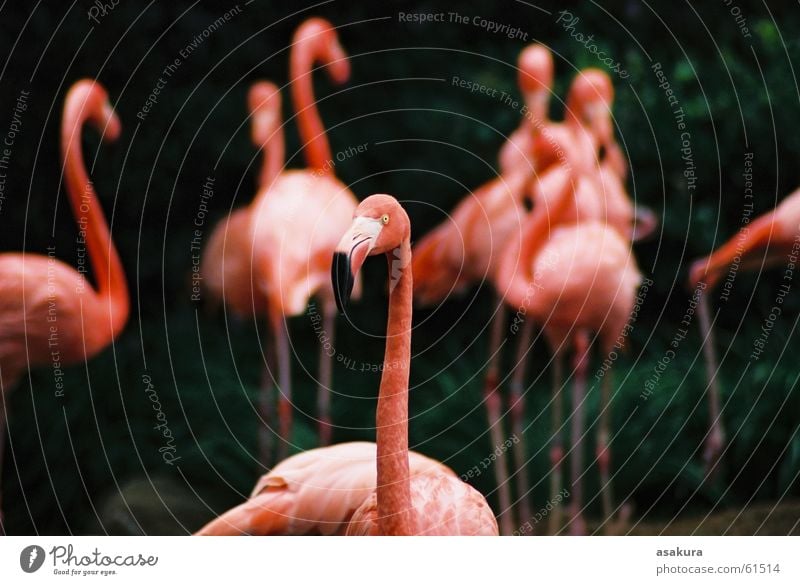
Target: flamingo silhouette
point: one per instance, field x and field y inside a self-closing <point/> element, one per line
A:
<point x="365" y="488"/>
<point x="229" y="273"/>
<point x="48" y="312"/>
<point x="466" y="249"/>
<point x="295" y="222"/>
<point x="766" y="241"/>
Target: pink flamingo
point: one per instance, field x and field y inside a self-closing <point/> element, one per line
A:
<point x="49" y="314"/>
<point x="295" y="222"/>
<point x="366" y="488"/>
<point x="229" y="274"/>
<point x="767" y="241"/>
<point x="466" y="249"/>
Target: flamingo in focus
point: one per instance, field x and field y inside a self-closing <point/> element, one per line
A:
<point x="295" y="222"/>
<point x="229" y="273"/>
<point x="49" y="313"/>
<point x="769" y="240"/>
<point x="365" y="488"/>
<point x="575" y="280"/>
<point x="466" y="249"/>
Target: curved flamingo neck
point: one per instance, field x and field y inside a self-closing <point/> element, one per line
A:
<point x="106" y="264"/>
<point x="273" y="156"/>
<point x="395" y="513"/>
<point x="317" y="150"/>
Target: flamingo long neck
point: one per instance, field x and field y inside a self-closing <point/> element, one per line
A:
<point x="274" y="156"/>
<point x="317" y="151"/>
<point x="395" y="514"/>
<point x="107" y="267"/>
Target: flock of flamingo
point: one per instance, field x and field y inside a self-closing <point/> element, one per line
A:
<point x="566" y="265"/>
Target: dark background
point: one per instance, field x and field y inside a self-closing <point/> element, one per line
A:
<point x="85" y="462"/>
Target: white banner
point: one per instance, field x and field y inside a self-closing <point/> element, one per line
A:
<point x="383" y="561"/>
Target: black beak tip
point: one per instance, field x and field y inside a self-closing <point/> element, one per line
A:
<point x="342" y="280"/>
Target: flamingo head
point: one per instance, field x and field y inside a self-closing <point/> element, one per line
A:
<point x="90" y="99"/>
<point x="380" y="226"/>
<point x="264" y="103"/>
<point x="535" y="78"/>
<point x="319" y="37"/>
<point x="590" y="100"/>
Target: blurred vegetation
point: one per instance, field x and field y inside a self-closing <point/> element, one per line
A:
<point x="428" y="143"/>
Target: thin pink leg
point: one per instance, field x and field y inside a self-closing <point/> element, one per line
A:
<point x="491" y="395"/>
<point x="284" y="390"/>
<point x="577" y="523"/>
<point x="557" y="444"/>
<point x="716" y="434"/>
<point x="325" y="365"/>
<point x="517" y="423"/>
<point x="266" y="407"/>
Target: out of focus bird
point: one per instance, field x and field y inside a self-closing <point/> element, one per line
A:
<point x="366" y="488"/>
<point x="296" y="221"/>
<point x="229" y="273"/>
<point x="770" y="240"/>
<point x="50" y="315"/>
<point x="577" y="281"/>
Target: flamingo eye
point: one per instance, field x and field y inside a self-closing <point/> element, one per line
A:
<point x="385" y="218"/>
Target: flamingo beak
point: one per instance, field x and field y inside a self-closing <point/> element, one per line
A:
<point x="338" y="66"/>
<point x="350" y="254"/>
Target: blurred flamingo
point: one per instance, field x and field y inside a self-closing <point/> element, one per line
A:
<point x="337" y="490"/>
<point x="227" y="263"/>
<point x="767" y="241"/>
<point x="295" y="222"/>
<point x="574" y="280"/>
<point x="49" y="314"/>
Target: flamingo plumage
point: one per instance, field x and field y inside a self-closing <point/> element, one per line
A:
<point x="365" y="488"/>
<point x="49" y="313"/>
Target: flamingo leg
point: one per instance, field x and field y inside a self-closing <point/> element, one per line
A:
<point x="325" y="365"/>
<point x="604" y="452"/>
<point x="284" y="389"/>
<point x="577" y="523"/>
<point x="716" y="433"/>
<point x="517" y="423"/>
<point x="491" y="395"/>
<point x="557" y="445"/>
<point x="266" y="406"/>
